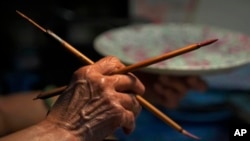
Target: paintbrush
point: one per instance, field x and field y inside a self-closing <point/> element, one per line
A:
<point x="136" y="66"/>
<point x="146" y="104"/>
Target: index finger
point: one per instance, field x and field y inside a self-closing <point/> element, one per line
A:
<point x="108" y="65"/>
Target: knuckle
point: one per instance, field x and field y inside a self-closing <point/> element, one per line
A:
<point x="112" y="58"/>
<point x="113" y="104"/>
<point x="81" y="71"/>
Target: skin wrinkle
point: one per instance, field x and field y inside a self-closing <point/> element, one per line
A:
<point x="104" y="114"/>
<point x="93" y="106"/>
<point x="104" y="102"/>
<point x="98" y="111"/>
<point x="134" y="106"/>
<point x="109" y="120"/>
<point x="99" y="117"/>
<point x="116" y="82"/>
<point x="90" y="109"/>
<point x="81" y="83"/>
<point x="108" y="105"/>
<point x="127" y="130"/>
<point x="113" y="61"/>
<point x="91" y="98"/>
<point x="76" y="90"/>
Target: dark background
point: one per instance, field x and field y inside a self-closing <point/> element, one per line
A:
<point x="31" y="60"/>
<point x="45" y="61"/>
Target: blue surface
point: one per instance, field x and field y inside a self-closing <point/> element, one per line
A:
<point x="210" y="125"/>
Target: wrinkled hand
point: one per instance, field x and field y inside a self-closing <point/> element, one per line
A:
<point x="97" y="103"/>
<point x="168" y="90"/>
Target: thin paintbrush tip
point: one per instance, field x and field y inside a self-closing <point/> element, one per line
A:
<point x="190" y="135"/>
<point x="20" y="13"/>
<point x="207" y="42"/>
<point x="31" y="21"/>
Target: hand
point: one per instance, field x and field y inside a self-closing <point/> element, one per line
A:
<point x="97" y="103"/>
<point x="168" y="90"/>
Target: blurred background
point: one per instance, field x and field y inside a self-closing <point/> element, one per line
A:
<point x="31" y="60"/>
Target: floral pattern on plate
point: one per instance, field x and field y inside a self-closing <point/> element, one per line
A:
<point x="136" y="43"/>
